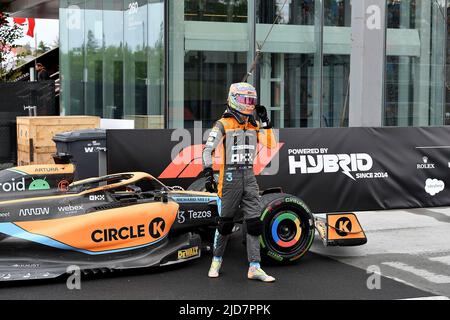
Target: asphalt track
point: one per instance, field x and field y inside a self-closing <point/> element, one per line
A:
<point x="315" y="277"/>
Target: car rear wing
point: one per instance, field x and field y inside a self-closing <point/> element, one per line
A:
<point x="341" y="229"/>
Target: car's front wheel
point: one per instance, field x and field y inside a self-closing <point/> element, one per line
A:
<point x="288" y="230"/>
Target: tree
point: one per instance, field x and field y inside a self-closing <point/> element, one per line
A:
<point x="27" y="50"/>
<point x="8" y="35"/>
<point x="92" y="43"/>
<point x="42" y="48"/>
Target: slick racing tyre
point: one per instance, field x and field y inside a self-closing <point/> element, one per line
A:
<point x="288" y="230"/>
<point x="199" y="184"/>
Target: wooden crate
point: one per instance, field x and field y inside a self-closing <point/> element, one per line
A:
<point x="35" y="134"/>
<point x="147" y="122"/>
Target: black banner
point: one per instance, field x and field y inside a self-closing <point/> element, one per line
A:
<point x="15" y="98"/>
<point x="332" y="170"/>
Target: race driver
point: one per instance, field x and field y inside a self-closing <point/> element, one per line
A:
<point x="237" y="135"/>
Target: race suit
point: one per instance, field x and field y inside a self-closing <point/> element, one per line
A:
<point x="237" y="142"/>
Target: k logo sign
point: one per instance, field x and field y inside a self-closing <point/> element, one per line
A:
<point x="344" y="229"/>
<point x="157" y="227"/>
<point x="343" y="226"/>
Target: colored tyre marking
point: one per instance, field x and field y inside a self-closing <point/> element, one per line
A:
<point x="275" y="235"/>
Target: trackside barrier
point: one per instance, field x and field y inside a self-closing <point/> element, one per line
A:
<point x="332" y="169"/>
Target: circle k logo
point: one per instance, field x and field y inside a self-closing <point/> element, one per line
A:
<point x="343" y="226"/>
<point x="157" y="227"/>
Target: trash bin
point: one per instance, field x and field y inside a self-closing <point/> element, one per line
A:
<point x="82" y="149"/>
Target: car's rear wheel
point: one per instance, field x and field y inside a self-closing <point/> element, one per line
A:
<point x="288" y="230"/>
<point x="199" y="184"/>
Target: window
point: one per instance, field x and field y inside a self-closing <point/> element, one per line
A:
<point x="112" y="59"/>
<point x="415" y="84"/>
<point x="209" y="48"/>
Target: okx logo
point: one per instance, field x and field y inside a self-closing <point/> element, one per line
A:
<point x="157" y="227"/>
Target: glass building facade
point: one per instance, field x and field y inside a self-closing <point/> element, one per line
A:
<point x="112" y="59"/>
<point x="415" y="71"/>
<point x="167" y="64"/>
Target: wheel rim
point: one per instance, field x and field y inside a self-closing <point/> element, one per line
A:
<point x="286" y="230"/>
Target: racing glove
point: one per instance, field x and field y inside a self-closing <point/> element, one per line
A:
<point x="261" y="111"/>
<point x="210" y="183"/>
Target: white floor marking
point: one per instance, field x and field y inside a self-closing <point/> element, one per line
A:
<point x="430" y="298"/>
<point x="444" y="260"/>
<point x="425" y="274"/>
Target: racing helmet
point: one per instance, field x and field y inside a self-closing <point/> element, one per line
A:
<point x="242" y="98"/>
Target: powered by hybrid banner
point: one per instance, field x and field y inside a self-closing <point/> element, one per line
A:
<point x="332" y="170"/>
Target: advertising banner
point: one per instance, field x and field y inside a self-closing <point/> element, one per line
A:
<point x="332" y="169"/>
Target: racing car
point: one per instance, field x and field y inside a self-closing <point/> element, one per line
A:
<point x="49" y="222"/>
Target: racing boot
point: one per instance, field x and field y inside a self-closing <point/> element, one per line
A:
<point x="256" y="273"/>
<point x="215" y="267"/>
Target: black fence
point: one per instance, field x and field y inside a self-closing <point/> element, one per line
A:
<point x="333" y="170"/>
<point x="21" y="99"/>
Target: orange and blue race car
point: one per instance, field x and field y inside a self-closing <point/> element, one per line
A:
<point x="48" y="222"/>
